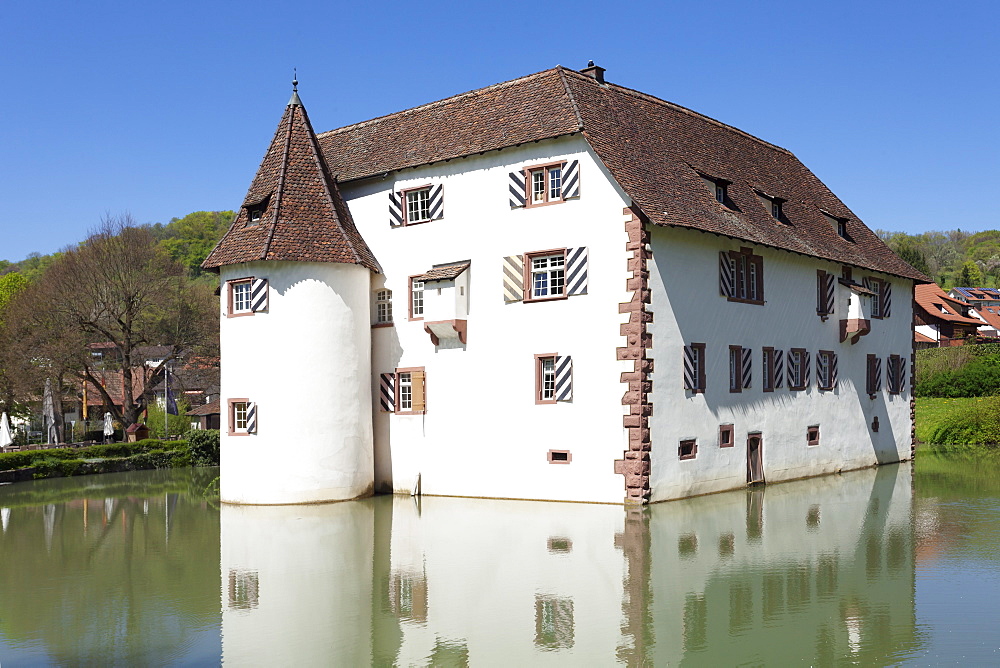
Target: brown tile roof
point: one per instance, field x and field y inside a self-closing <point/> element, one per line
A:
<point x="304" y="218"/>
<point x="211" y="408"/>
<point x="444" y="272"/>
<point x="991" y="314"/>
<point x="932" y="299"/>
<point x="654" y="149"/>
<point x="922" y="338"/>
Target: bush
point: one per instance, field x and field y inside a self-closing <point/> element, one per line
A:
<point x="974" y="423"/>
<point x="966" y="371"/>
<point x="204" y="446"/>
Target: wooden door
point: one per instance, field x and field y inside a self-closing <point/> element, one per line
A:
<point x="755" y="458"/>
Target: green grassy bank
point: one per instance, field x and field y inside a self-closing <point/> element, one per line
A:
<point x="968" y="420"/>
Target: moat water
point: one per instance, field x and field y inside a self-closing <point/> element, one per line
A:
<point x="890" y="566"/>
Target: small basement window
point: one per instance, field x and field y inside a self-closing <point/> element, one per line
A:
<point x="688" y="449"/>
<point x="559" y="457"/>
<point x="725" y="436"/>
<point x="812" y="435"/>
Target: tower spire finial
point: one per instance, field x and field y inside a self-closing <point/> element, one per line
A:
<point x="295" y="101"/>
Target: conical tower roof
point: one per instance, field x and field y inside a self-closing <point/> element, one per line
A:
<point x="293" y="210"/>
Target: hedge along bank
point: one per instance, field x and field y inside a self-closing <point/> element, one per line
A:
<point x="201" y="450"/>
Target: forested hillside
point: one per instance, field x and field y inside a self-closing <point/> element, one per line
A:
<point x="186" y="240"/>
<point x="953" y="258"/>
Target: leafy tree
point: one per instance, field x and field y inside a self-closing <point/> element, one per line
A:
<point x="970" y="276"/>
<point x="118" y="287"/>
<point x="190" y="239"/>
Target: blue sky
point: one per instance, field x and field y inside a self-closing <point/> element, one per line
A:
<point x="164" y="109"/>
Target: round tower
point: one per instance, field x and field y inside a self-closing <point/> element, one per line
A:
<point x="295" y="280"/>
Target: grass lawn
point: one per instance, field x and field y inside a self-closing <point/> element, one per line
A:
<point x="930" y="411"/>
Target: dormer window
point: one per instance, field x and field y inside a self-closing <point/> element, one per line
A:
<point x="255" y="212"/>
<point x="720" y="192"/>
<point x="719" y="188"/>
<point x="839" y="224"/>
<point x="776" y="209"/>
<point x="774" y="205"/>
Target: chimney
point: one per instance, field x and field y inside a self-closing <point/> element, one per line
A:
<point x="595" y="71"/>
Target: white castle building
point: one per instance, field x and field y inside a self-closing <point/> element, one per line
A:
<point x="551" y="288"/>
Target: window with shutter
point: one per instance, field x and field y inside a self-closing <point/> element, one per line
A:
<point x="242" y="417"/>
<point x="826" y="369"/>
<point x="552" y="274"/>
<point x="694" y="367"/>
<point x="410" y="391"/>
<point x="246" y="296"/>
<point x="824" y="293"/>
<point x="873" y="380"/>
<point x="741" y="276"/>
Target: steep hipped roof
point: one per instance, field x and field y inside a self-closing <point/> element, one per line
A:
<point x="656" y="150"/>
<point x="302" y="217"/>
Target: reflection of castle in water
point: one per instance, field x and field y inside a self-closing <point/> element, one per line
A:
<point x="821" y="571"/>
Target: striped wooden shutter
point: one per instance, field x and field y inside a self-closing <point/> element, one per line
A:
<point x="571" y="180"/>
<point x="516" y="187"/>
<point x="825" y="301"/>
<point x="513" y="278"/>
<point x="806" y="361"/>
<point x="747" y="367"/>
<point x="901" y="374"/>
<point x="690" y="370"/>
<point x="258" y="295"/>
<point x="791" y="367"/>
<point x="252" y="417"/>
<point x="436" y="202"/>
<point x="886" y="299"/>
<point x="833" y="370"/>
<point x="419" y="392"/>
<point x="725" y="274"/>
<point x="564" y="378"/>
<point x="576" y="271"/>
<point x="779" y="368"/>
<point x="878" y="374"/>
<point x="387" y="392"/>
<point x="395" y="209"/>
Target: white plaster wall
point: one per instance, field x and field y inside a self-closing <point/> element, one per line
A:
<point x="932" y="331"/>
<point x="306" y="363"/>
<point x="313" y="566"/>
<point x="687" y="308"/>
<point x="482" y="434"/>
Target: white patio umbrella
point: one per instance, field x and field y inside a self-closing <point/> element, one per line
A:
<point x="6" y="438"/>
<point x="109" y="427"/>
<point x="49" y="414"/>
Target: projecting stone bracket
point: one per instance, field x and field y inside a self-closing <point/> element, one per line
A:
<point x="447" y="329"/>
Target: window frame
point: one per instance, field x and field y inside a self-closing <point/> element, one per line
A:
<point x="411" y="313"/>
<point x="231" y="429"/>
<point x="812" y="435"/>
<point x="741" y="262"/>
<point x="877" y="286"/>
<point x="405" y="203"/>
<point x="735" y="369"/>
<point x="799" y="354"/>
<point x="540" y="378"/>
<point x="231" y="286"/>
<point x="767" y="369"/>
<point x="559" y="457"/>
<point x="398" y="390"/>
<point x="528" y="276"/>
<point x="379" y="301"/>
<point x="692" y="443"/>
<point x="727" y="430"/>
<point x="700" y="378"/>
<point x="546" y="170"/>
<point x="829" y="382"/>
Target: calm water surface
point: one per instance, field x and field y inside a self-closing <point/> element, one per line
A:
<point x="879" y="567"/>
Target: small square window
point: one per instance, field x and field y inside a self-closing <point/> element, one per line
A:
<point x="726" y="436"/>
<point x="812" y="435"/>
<point x="559" y="456"/>
<point x="688" y="449"/>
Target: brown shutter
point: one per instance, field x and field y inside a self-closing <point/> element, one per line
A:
<point x="419" y="396"/>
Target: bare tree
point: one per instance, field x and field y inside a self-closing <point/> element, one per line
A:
<point x="120" y="289"/>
